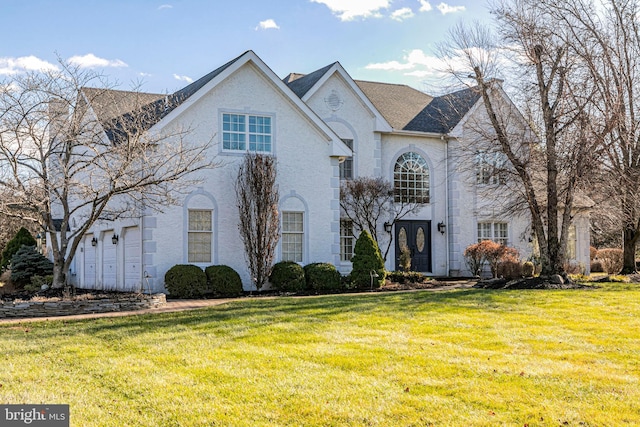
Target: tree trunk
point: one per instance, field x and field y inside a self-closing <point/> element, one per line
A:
<point x="629" y="248"/>
<point x="59" y="274"/>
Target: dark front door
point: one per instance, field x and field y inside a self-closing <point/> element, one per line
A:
<point x="416" y="236"/>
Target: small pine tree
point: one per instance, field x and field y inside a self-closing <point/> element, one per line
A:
<point x="22" y="237"/>
<point x="366" y="261"/>
<point x="26" y="263"/>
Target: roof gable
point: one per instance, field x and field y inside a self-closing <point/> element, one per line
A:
<point x="306" y="85"/>
<point x="153" y="113"/>
<point x="303" y="83"/>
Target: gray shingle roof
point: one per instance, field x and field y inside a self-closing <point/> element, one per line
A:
<point x="144" y="117"/>
<point x="301" y="84"/>
<point x="444" y="112"/>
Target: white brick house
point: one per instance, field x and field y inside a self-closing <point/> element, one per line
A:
<point x="322" y="127"/>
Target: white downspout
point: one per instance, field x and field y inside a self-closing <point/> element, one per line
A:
<point x="446" y="202"/>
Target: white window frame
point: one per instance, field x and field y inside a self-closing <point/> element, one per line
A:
<point x="199" y="257"/>
<point x="347" y="240"/>
<point x="489" y="169"/>
<point x="496" y="231"/>
<point x="346" y="167"/>
<point x="250" y="136"/>
<point x="411" y="185"/>
<point x="292" y="238"/>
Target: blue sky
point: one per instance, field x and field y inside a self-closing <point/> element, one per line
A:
<point x="167" y="43"/>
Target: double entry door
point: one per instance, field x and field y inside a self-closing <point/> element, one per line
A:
<point x="416" y="237"/>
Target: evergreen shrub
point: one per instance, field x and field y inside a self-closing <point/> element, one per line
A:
<point x="366" y="261"/>
<point x="321" y="276"/>
<point x="223" y="280"/>
<point x="22" y="237"/>
<point x="26" y="263"/>
<point x="185" y="281"/>
<point x="287" y="276"/>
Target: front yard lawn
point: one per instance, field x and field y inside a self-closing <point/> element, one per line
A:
<point x="453" y="358"/>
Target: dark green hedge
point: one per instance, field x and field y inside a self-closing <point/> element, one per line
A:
<point x="287" y="276"/>
<point x="224" y="281"/>
<point x="322" y="276"/>
<point x="186" y="281"/>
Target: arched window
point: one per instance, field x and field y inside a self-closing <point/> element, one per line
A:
<point x="411" y="179"/>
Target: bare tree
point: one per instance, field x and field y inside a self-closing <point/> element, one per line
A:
<point x="606" y="36"/>
<point x="368" y="201"/>
<point x="551" y="163"/>
<point x="71" y="156"/>
<point x="257" y="199"/>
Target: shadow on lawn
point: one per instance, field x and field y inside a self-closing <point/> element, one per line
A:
<point x="259" y="313"/>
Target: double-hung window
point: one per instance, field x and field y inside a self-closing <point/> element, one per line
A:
<point x="346" y="167"/>
<point x="199" y="236"/>
<point x="347" y="240"/>
<point x="496" y="231"/>
<point x="247" y="132"/>
<point x="292" y="236"/>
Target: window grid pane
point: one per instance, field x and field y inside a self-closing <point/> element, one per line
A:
<point x="260" y="133"/>
<point x="233" y="132"/>
<point x="199" y="236"/>
<point x="411" y="179"/>
<point x="496" y="231"/>
<point x="346" y="167"/>
<point x="346" y="240"/>
<point x="292" y="236"/>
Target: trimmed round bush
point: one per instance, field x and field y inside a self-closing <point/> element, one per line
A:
<point x="322" y="276"/>
<point x="223" y="280"/>
<point x="185" y="281"/>
<point x="366" y="261"/>
<point x="287" y="276"/>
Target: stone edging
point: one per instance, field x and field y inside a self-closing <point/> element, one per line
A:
<point x="27" y="309"/>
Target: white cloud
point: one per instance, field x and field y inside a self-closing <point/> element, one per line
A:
<point x="91" y="61"/>
<point x="402" y="14"/>
<point x="9" y="66"/>
<point x="415" y="63"/>
<point x="445" y="8"/>
<point x="425" y="6"/>
<point x="183" y="78"/>
<point x="352" y="9"/>
<point x="267" y="24"/>
<point x="165" y="6"/>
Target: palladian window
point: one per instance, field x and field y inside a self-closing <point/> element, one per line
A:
<point x="411" y="179"/>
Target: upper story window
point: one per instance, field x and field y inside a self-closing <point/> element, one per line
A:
<point x="346" y="167"/>
<point x="246" y="132"/>
<point x="411" y="179"/>
<point x="490" y="168"/>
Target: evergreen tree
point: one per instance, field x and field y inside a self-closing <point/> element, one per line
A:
<point x="26" y="263"/>
<point x="22" y="237"/>
<point x="367" y="262"/>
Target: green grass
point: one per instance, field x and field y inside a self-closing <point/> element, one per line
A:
<point x="458" y="358"/>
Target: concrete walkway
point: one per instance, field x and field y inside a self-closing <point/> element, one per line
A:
<point x="184" y="305"/>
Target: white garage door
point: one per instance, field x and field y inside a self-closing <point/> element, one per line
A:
<point x="89" y="267"/>
<point x="132" y="258"/>
<point x="108" y="262"/>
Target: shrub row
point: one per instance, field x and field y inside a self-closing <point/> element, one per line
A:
<point x="288" y="276"/>
<point x="190" y="281"/>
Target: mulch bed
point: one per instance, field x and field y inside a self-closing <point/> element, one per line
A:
<point x="529" y="283"/>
